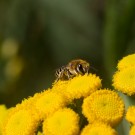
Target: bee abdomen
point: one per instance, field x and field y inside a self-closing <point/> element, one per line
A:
<point x="59" y="71"/>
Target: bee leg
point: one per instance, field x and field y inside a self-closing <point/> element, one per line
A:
<point x="56" y="80"/>
<point x="69" y="75"/>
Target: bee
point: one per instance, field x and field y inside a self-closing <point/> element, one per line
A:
<point x="72" y="69"/>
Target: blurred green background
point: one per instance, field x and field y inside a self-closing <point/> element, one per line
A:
<point x="38" y="36"/>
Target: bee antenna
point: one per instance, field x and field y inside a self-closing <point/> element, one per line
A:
<point x="93" y="68"/>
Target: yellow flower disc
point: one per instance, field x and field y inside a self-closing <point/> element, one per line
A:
<point x="130" y="115"/>
<point x="124" y="81"/>
<point x="62" y="122"/>
<point x="132" y="130"/>
<point x="20" y="122"/>
<point x="48" y="102"/>
<point x="126" y="62"/>
<point x="60" y="87"/>
<point x="98" y="128"/>
<point x="28" y="104"/>
<point x="103" y="105"/>
<point x="82" y="86"/>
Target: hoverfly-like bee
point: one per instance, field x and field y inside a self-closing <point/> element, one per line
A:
<point x="72" y="69"/>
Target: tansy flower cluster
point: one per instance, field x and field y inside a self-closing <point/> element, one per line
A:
<point x="78" y="106"/>
<point x="124" y="81"/>
<point x="124" y="78"/>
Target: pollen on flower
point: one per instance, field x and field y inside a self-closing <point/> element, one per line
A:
<point x="82" y="86"/>
<point x="130" y="115"/>
<point x="98" y="128"/>
<point x="48" y="102"/>
<point x="20" y="122"/>
<point x="126" y="62"/>
<point x="124" y="81"/>
<point x="62" y="122"/>
<point x="103" y="105"/>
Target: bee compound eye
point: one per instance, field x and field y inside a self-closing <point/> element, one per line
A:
<point x="80" y="68"/>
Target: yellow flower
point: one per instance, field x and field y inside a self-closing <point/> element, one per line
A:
<point x="48" y="102"/>
<point x="98" y="128"/>
<point x="60" y="87"/>
<point x="130" y="115"/>
<point x="126" y="62"/>
<point x="132" y="130"/>
<point x="28" y="104"/>
<point x="62" y="122"/>
<point x="82" y="86"/>
<point x="20" y="122"/>
<point x="3" y="114"/>
<point x="103" y="105"/>
<point x="124" y="80"/>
